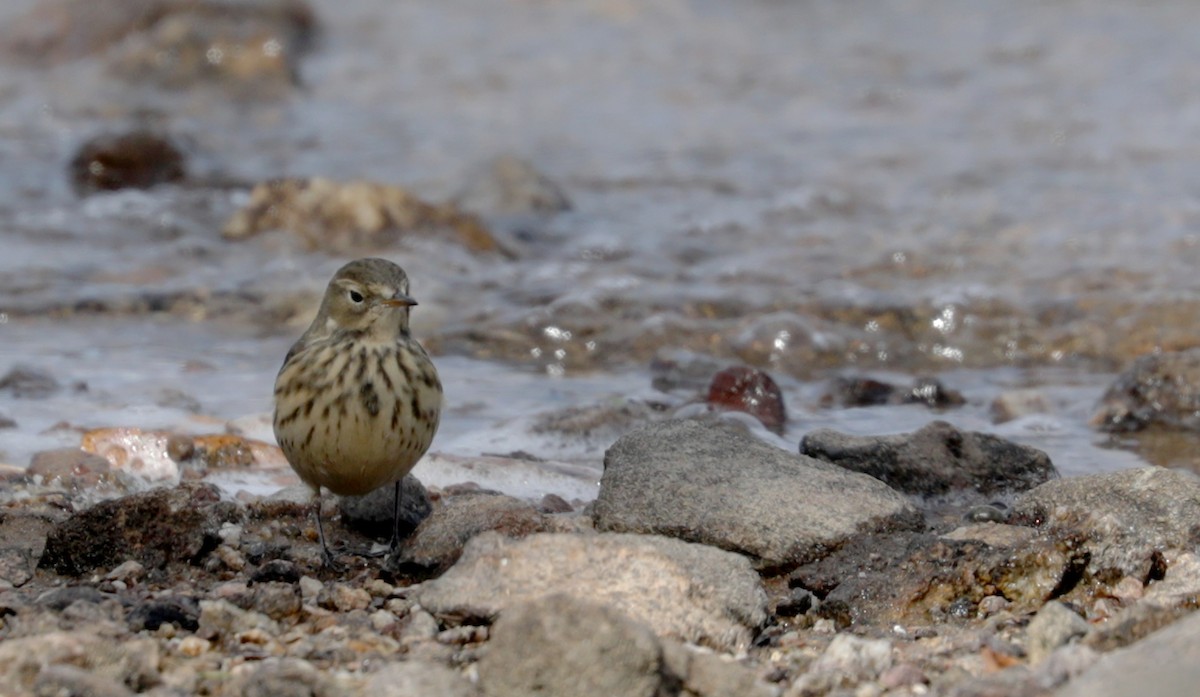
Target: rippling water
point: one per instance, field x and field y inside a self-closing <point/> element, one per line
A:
<point x="1002" y="194"/>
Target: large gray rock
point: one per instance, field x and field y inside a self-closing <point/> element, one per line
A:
<point x="935" y="459"/>
<point x="687" y="591"/>
<point x="713" y="484"/>
<point x="1165" y="664"/>
<point x="1127" y="518"/>
<point x="561" y="646"/>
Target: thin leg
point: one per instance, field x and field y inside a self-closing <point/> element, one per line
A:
<point x="395" y="544"/>
<point x="326" y="555"/>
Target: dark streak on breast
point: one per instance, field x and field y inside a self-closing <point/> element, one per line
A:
<point x="370" y="399"/>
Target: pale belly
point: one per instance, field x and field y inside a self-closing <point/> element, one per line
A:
<point x="352" y="434"/>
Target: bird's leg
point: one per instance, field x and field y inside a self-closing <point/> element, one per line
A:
<point x="326" y="555"/>
<point x="395" y="544"/>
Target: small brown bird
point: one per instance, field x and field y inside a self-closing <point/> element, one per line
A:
<point x="357" y="401"/>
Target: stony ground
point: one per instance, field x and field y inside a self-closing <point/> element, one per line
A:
<point x="711" y="564"/>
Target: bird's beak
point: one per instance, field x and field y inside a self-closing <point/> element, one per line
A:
<point x="400" y="300"/>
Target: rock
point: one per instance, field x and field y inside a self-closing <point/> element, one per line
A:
<point x="352" y="216"/>
<point x="371" y="514"/>
<point x="709" y="483"/>
<point x="72" y="468"/>
<point x="157" y="456"/>
<point x="28" y="382"/>
<point x="250" y="49"/>
<point x="137" y="159"/>
<point x="512" y="186"/>
<point x="1133" y="624"/>
<point x="869" y="392"/>
<point x="563" y="646"/>
<point x="687" y="591"/>
<point x="6" y="422"/>
<point x="142" y="453"/>
<point x="178" y="610"/>
<point x="438" y="541"/>
<point x="54" y="31"/>
<point x="155" y="528"/>
<point x="704" y="674"/>
<point x="857" y="658"/>
<point x="916" y="578"/>
<point x="280" y="570"/>
<point x="1180" y="583"/>
<point x="749" y="390"/>
<point x="418" y="678"/>
<point x="1014" y="404"/>
<point x="1127" y="518"/>
<point x="1053" y="626"/>
<point x="282" y="677"/>
<point x="1163" y="664"/>
<point x="132" y="662"/>
<point x="22" y="539"/>
<point x="1159" y="389"/>
<point x="936" y="459"/>
<point x="69" y="680"/>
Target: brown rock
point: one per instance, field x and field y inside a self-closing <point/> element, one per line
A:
<point x="136" y="159"/>
<point x="749" y="390"/>
<point x="353" y="216"/>
<point x="155" y="528"/>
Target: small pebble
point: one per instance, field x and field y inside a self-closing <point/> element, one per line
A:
<point x="310" y="589"/>
<point x="421" y="625"/>
<point x="991" y="604"/>
<point x="378" y="588"/>
<point x="192" y="646"/>
<point x="130" y="570"/>
<point x="381" y="620"/>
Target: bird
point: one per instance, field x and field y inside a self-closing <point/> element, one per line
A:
<point x="358" y="400"/>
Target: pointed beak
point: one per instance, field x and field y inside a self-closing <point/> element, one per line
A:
<point x="400" y="300"/>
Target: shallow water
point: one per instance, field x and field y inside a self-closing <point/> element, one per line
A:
<point x="1001" y="194"/>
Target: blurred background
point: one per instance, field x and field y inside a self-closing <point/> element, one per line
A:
<point x="600" y="203"/>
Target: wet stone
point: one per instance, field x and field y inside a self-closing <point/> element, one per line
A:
<point x="711" y="483"/>
<point x="1157" y="390"/>
<point x="353" y="216"/>
<point x="749" y="390"/>
<point x="136" y="159"/>
<point x="29" y="382"/>
<point x="248" y="49"/>
<point x="869" y="392"/>
<point x="936" y="459"/>
<point x="72" y="468"/>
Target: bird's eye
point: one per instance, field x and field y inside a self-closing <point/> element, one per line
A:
<point x="355" y="296"/>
